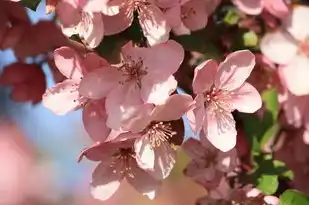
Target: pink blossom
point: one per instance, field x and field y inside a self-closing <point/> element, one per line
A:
<point x="144" y="76"/>
<point x="152" y="20"/>
<point x="64" y="96"/>
<point x="190" y="15"/>
<point x="156" y="132"/>
<point x="208" y="164"/>
<point x="117" y="162"/>
<point x="278" y="8"/>
<point x="27" y="82"/>
<point x="75" y="20"/>
<point x="219" y="91"/>
<point x="289" y="47"/>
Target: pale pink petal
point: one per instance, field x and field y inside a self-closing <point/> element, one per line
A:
<point x="296" y="23"/>
<point x="253" y="193"/>
<point x="173" y="109"/>
<point x="234" y="70"/>
<point x="68" y="13"/>
<point x="121" y="105"/>
<point x="165" y="158"/>
<point x="104" y="6"/>
<point x="98" y="83"/>
<point x="196" y="16"/>
<point x="145" y="155"/>
<point x="154" y="25"/>
<point x="196" y="115"/>
<point x="123" y="19"/>
<point x="100" y="151"/>
<point x="161" y="60"/>
<point x="94" y="121"/>
<point x="62" y="98"/>
<point x="194" y="148"/>
<point x="295" y="108"/>
<point x="92" y="29"/>
<point x="173" y="15"/>
<point x="306" y="136"/>
<point x="93" y="61"/>
<point x="295" y="75"/>
<point x="69" y="63"/>
<point x="251" y="7"/>
<point x="181" y="30"/>
<point x="278" y="8"/>
<point x="123" y="136"/>
<point x="220" y="130"/>
<point x="245" y="99"/>
<point x="165" y="4"/>
<point x="142" y="181"/>
<point x="157" y="91"/>
<point x="204" y="75"/>
<point x="279" y="46"/>
<point x="272" y="200"/>
<point x="106" y="180"/>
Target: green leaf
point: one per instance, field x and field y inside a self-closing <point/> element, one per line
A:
<point x="250" y="39"/>
<point x="31" y="4"/>
<point x="270" y="133"/>
<point x="231" y="17"/>
<point x="294" y="197"/>
<point x="270" y="100"/>
<point x="268" y="184"/>
<point x="283" y="170"/>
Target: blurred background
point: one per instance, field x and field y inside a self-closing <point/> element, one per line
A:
<point x="39" y="151"/>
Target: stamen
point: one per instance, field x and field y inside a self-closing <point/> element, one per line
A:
<point x="160" y="133"/>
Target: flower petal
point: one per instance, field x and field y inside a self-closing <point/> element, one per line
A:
<point x="295" y="75"/>
<point x="251" y="7"/>
<point x="92" y="29"/>
<point x="296" y="23"/>
<point x="278" y="8"/>
<point x="273" y="44"/>
<point x="196" y="16"/>
<point x="104" y="6"/>
<point x="106" y="180"/>
<point x="295" y="108"/>
<point x="93" y="61"/>
<point x="194" y="148"/>
<point x="227" y="161"/>
<point x="246" y="99"/>
<point x="145" y="156"/>
<point x="204" y="76"/>
<point x="234" y="70"/>
<point x="123" y="19"/>
<point x="165" y="158"/>
<point x="142" y="181"/>
<point x="173" y="109"/>
<point x="121" y="104"/>
<point x="157" y="91"/>
<point x="68" y="13"/>
<point x="94" y="121"/>
<point x="100" y="151"/>
<point x="196" y="115"/>
<point x="62" y="98"/>
<point x="272" y="200"/>
<point x="220" y="130"/>
<point x="98" y="83"/>
<point x="69" y="63"/>
<point x="154" y="25"/>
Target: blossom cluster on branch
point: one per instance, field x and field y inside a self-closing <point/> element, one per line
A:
<point x="131" y="107"/>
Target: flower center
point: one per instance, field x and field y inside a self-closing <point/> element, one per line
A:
<point x="124" y="155"/>
<point x="160" y="133"/>
<point x="133" y="71"/>
<point x="216" y="99"/>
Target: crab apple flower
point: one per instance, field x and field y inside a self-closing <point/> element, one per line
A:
<point x="27" y="82"/>
<point x="117" y="162"/>
<point x="64" y="97"/>
<point x="219" y="91"/>
<point x="208" y="164"/>
<point x="74" y="20"/>
<point x="190" y="15"/>
<point x="278" y="8"/>
<point x="144" y="76"/>
<point x="289" y="47"/>
<point x="156" y="132"/>
<point x="152" y="20"/>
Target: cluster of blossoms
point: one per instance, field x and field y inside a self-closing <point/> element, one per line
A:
<point x="132" y="110"/>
